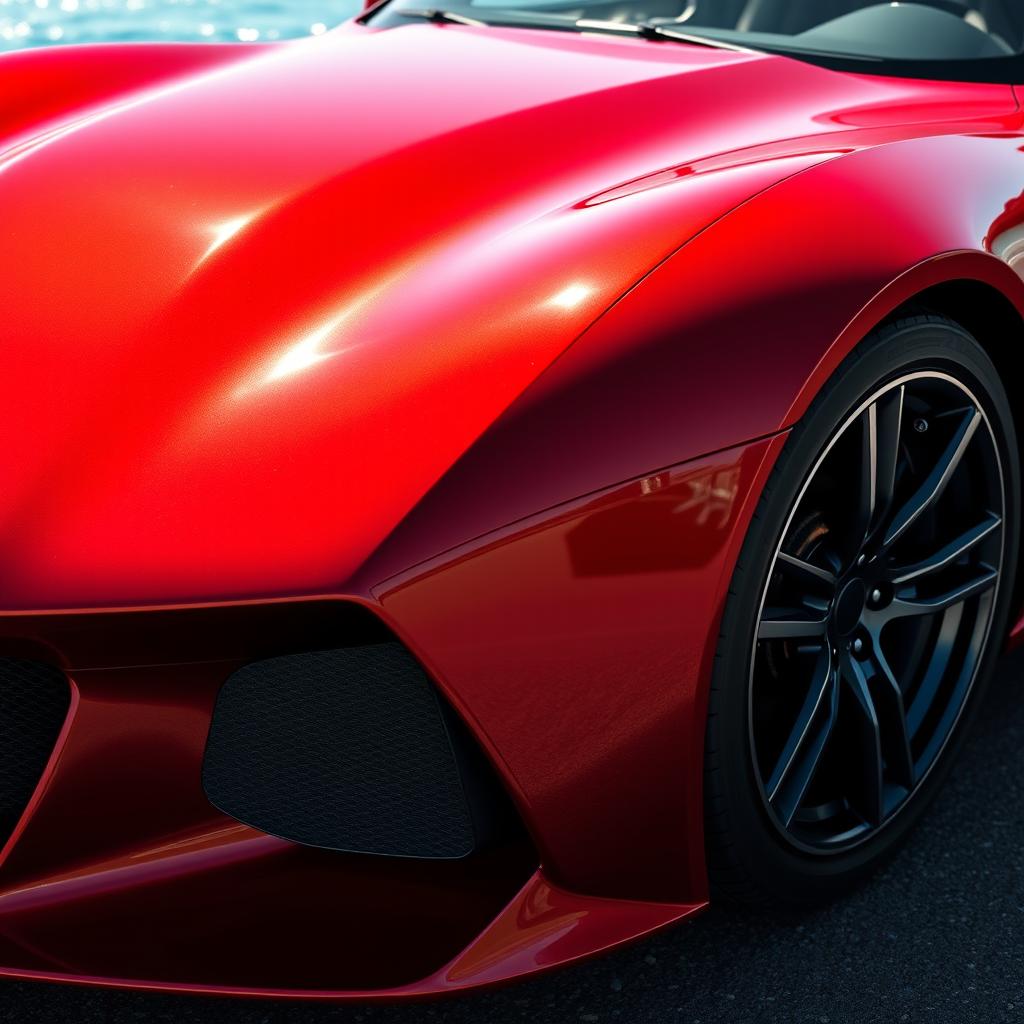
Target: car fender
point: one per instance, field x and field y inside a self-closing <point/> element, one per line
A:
<point x="643" y="451"/>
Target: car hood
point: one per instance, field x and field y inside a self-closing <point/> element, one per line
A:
<point x="253" y="311"/>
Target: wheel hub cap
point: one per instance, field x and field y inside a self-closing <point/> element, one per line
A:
<point x="849" y="608"/>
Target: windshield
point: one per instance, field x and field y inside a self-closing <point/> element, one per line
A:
<point x="926" y="30"/>
<point x="978" y="40"/>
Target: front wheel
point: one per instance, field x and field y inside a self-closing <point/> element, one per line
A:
<point x="869" y="602"/>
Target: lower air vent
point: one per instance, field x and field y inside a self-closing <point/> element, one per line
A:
<point x="34" y="703"/>
<point x="349" y="750"/>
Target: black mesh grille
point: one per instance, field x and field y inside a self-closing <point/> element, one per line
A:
<point x="347" y="750"/>
<point x="34" y="702"/>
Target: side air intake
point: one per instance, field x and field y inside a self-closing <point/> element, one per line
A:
<point x="34" y="703"/>
<point x="350" y="750"/>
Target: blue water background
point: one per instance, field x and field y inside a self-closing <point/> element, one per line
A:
<point x="26" y="23"/>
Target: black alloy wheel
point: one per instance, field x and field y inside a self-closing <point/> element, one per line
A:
<point x="874" y="591"/>
<point x="876" y="611"/>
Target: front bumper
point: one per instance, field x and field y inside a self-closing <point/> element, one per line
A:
<point x="575" y="647"/>
<point x="122" y="872"/>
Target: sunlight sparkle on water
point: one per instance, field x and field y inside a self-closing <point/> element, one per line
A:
<point x="47" y="22"/>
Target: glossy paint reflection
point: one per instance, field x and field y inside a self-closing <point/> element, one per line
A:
<point x="580" y="638"/>
<point x="214" y="371"/>
<point x="682" y="521"/>
<point x="541" y="927"/>
<point x="223" y="232"/>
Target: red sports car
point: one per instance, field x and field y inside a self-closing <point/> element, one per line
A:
<point x="478" y="483"/>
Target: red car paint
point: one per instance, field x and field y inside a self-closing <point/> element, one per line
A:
<point x="499" y="348"/>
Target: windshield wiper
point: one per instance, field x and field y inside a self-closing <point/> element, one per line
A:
<point x="656" y="30"/>
<point x="659" y="30"/>
<point x="437" y="16"/>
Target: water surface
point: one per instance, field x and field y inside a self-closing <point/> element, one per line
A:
<point x="51" y="22"/>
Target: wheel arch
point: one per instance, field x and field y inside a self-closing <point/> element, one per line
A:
<point x="997" y="324"/>
<point x="975" y="289"/>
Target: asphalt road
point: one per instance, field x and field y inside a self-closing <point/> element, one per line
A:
<point x="937" y="936"/>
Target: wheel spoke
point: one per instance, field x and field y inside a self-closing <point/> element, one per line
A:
<point x="892" y="717"/>
<point x="801" y="755"/>
<point x="928" y="688"/>
<point x="937" y="480"/>
<point x="949" y="553"/>
<point x="890" y="419"/>
<point x="880" y="426"/>
<point x="905" y="607"/>
<point x="866" y="793"/>
<point x="806" y="571"/>
<point x="867" y="498"/>
<point x="785" y="624"/>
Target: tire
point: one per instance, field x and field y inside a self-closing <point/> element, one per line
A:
<point x="797" y="813"/>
